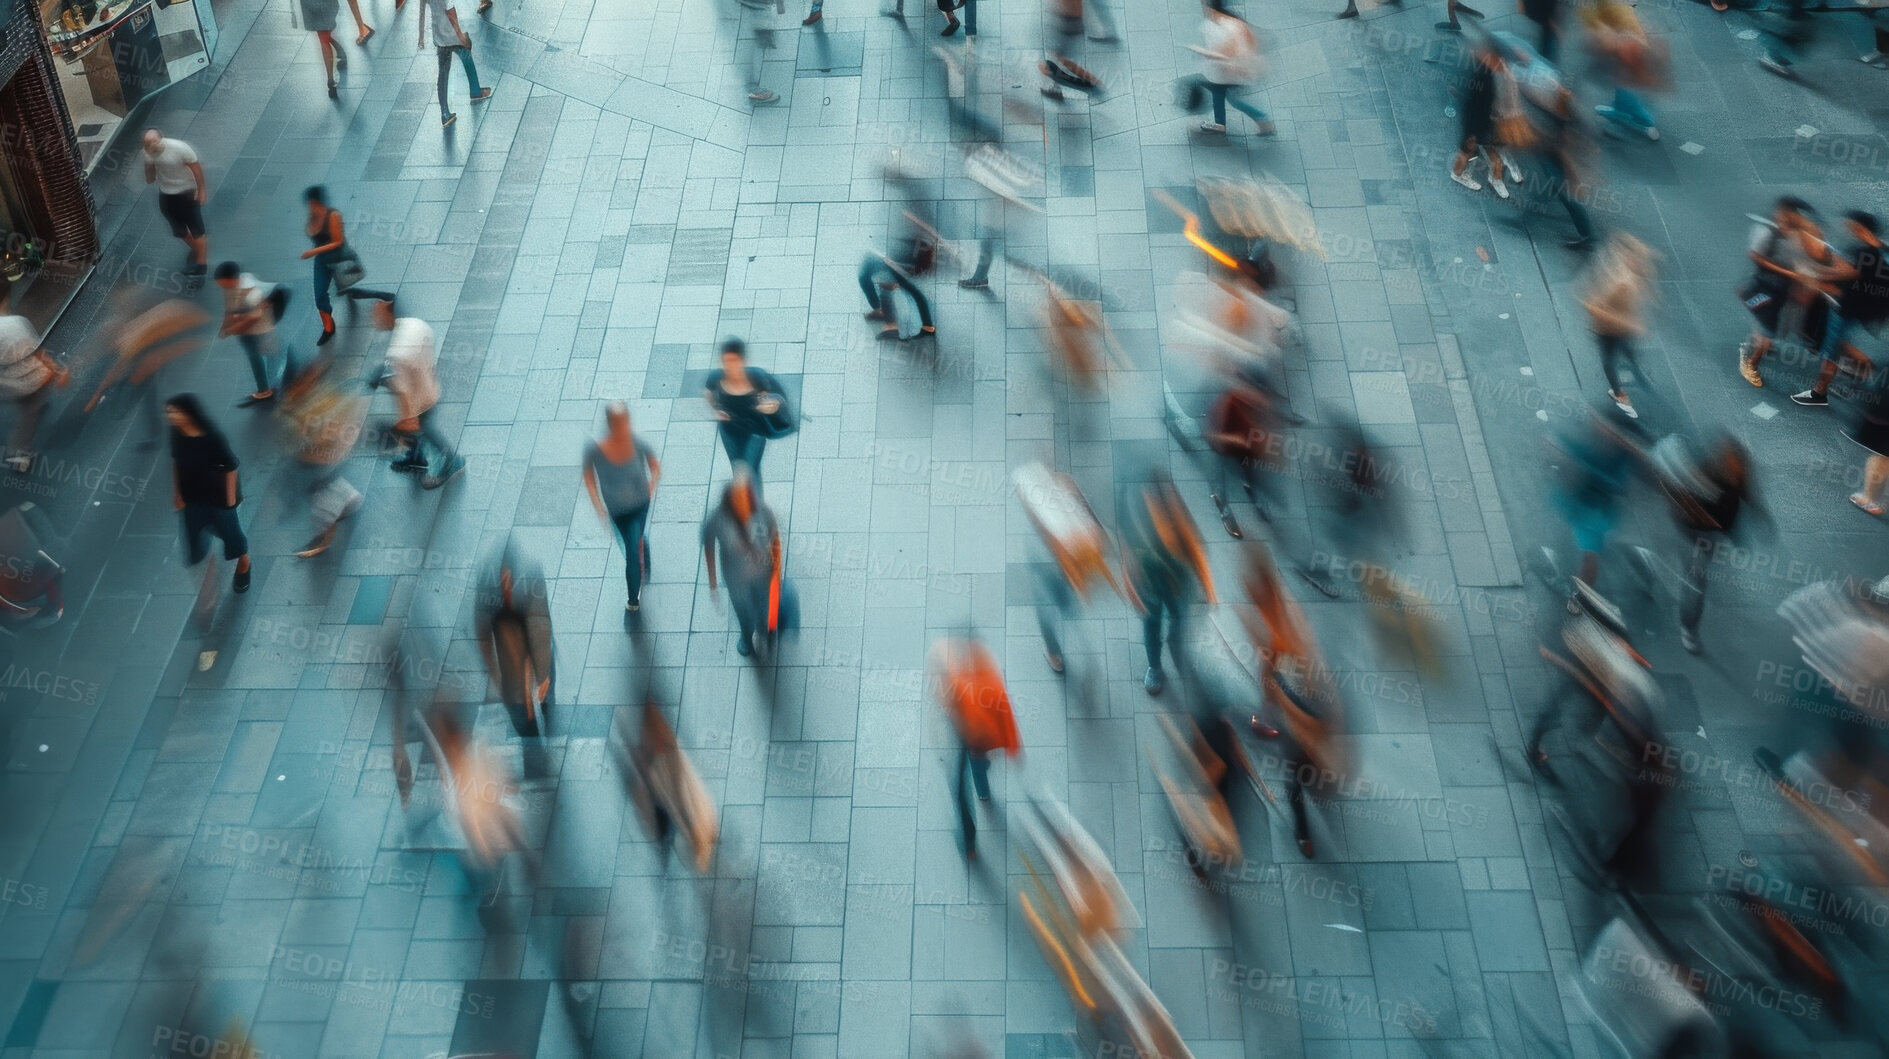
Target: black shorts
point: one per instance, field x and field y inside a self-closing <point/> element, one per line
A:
<point x="183" y="211"/>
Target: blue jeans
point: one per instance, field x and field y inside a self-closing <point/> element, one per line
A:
<point x="869" y="272"/>
<point x="630" y="526"/>
<point x="1629" y="109"/>
<point x="445" y="71"/>
<point x="262" y="351"/>
<point x="973" y="772"/>
<point x="1835" y="330"/>
<point x="743" y="447"/>
<point x="1221" y="99"/>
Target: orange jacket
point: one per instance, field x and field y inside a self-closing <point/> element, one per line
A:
<point x="979" y="706"/>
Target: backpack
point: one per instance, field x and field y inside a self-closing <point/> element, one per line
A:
<point x="278" y="301"/>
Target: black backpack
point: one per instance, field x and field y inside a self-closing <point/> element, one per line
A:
<point x="278" y="299"/>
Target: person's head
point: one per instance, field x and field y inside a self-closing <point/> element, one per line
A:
<point x="227" y="274"/>
<point x="185" y="414"/>
<point x="1215" y="8"/>
<point x="616" y="418"/>
<point x="734" y="357"/>
<point x="741" y="493"/>
<point x="317" y="199"/>
<point x="153" y="140"/>
<point x="1864" y="225"/>
<point x="384" y="315"/>
<point x="1791" y="211"/>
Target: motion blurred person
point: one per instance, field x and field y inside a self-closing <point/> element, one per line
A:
<point x="621" y="473"/>
<point x="412" y="373"/>
<point x="450" y="40"/>
<point x="748" y="404"/>
<point x="1860" y="283"/>
<point x="1870" y="429"/>
<point x="1567" y="147"/>
<point x="1059" y="64"/>
<point x="971" y="690"/>
<point x="881" y="275"/>
<point x="764" y="18"/>
<point x="1600" y="458"/>
<point x="1166" y="568"/>
<point x="28" y="376"/>
<point x="1294" y="680"/>
<point x="1076" y="542"/>
<point x="1245" y="428"/>
<point x="206" y="489"/>
<point x="1233" y="60"/>
<point x="668" y="793"/>
<point x="323" y="416"/>
<point x="513" y="624"/>
<point x="1709" y="497"/>
<point x="1636" y="63"/>
<point x="250" y="311"/>
<point x="747" y="537"/>
<point x="1788" y="253"/>
<point x="1486" y="67"/>
<point x="172" y="165"/>
<point x="481" y="789"/>
<point x="1617" y="287"/>
<point x="144" y="342"/>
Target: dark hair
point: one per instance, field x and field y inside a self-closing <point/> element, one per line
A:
<point x="227" y="270"/>
<point x="316" y="194"/>
<point x="1796" y="205"/>
<point x="735" y="346"/>
<point x="189" y="405"/>
<point x="1865" y="220"/>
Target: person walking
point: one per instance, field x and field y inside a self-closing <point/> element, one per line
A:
<point x="1601" y="458"/>
<point x="1637" y="63"/>
<point x="250" y="311"/>
<point x="1870" y="429"/>
<point x="879" y="277"/>
<point x="28" y="376"/>
<point x="318" y="17"/>
<point x="1166" y="567"/>
<point x="621" y="473"/>
<point x="1246" y="430"/>
<point x="764" y="17"/>
<point x="144" y="340"/>
<point x="206" y="489"/>
<point x="336" y="264"/>
<point x="749" y="406"/>
<point x="971" y="690"/>
<point x="323" y="416"/>
<point x="1546" y="15"/>
<point x="1617" y="290"/>
<point x="181" y="193"/>
<point x="747" y="536"/>
<point x="1233" y="61"/>
<point x="514" y="630"/>
<point x="1788" y="250"/>
<point x="1860" y="284"/>
<point x="1075" y="541"/>
<point x="450" y="39"/>
<point x="411" y="372"/>
<point x="1573" y="167"/>
<point x="1709" y="496"/>
<point x="1486" y="67"/>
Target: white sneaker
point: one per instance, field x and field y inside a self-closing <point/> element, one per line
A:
<point x="1212" y="126"/>
<point x="762" y="97"/>
<point x="1466" y="180"/>
<point x="1514" y="171"/>
<point x="1652" y="133"/>
<point x="1501" y="190"/>
<point x="1625" y="404"/>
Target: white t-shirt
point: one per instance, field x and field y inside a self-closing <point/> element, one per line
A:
<point x="245" y="296"/>
<point x="443" y="34"/>
<point x="410" y="355"/>
<point x="172" y="161"/>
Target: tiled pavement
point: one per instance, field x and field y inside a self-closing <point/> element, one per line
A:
<point x="182" y="848"/>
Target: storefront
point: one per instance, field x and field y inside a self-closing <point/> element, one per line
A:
<point x="112" y="55"/>
<point x="47" y="236"/>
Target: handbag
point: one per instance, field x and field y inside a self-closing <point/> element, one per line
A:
<point x="781" y="421"/>
<point x="348" y="271"/>
<point x="1190" y="94"/>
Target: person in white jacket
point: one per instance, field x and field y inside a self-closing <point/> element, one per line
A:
<point x="1233" y="61"/>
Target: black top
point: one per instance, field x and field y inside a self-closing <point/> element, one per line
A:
<point x="743" y="415"/>
<point x="1479" y="101"/>
<point x="1540" y="12"/>
<point x="202" y="464"/>
<point x="1866" y="298"/>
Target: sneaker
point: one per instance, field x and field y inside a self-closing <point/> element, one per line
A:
<point x="1866" y="505"/>
<point x="743" y="647"/>
<point x="484" y="94"/>
<point x="256" y="398"/>
<point x="634" y="605"/>
<point x="1811" y="399"/>
<point x="1622" y="402"/>
<point x="950" y="29"/>
<point x="1750" y="371"/>
<point x="326" y="337"/>
<point x="1212" y="126"/>
<point x="1514" y="171"/>
<point x="810" y="19"/>
<point x="1652" y="133"/>
<point x="1055" y="661"/>
<point x="1154" y="681"/>
<point x="448" y="120"/>
<point x="1606" y="111"/>
<point x="1501" y="190"/>
<point x="453" y="470"/>
<point x="1876" y="59"/>
<point x="1266" y="128"/>
<point x="1689" y="640"/>
<point x="1466" y="180"/>
<point x="762" y="97"/>
<point x="240" y="582"/>
<point x="1580" y="246"/>
<point x="974" y="283"/>
<point x="20" y="463"/>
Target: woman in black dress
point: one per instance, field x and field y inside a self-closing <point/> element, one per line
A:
<point x="745" y="401"/>
<point x="205" y="487"/>
<point x="1478" y="115"/>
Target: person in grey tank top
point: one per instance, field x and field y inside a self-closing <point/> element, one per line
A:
<point x="621" y="472"/>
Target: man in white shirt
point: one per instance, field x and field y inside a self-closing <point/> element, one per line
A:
<point x="28" y="375"/>
<point x="249" y="314"/>
<point x="449" y="39"/>
<point x="181" y="192"/>
<point x="411" y="373"/>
